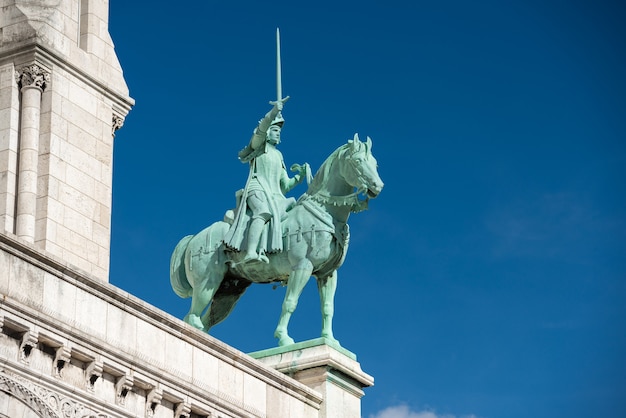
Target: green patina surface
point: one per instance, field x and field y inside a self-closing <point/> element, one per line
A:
<point x="311" y="239"/>
<point x="301" y="346"/>
<point x="270" y="238"/>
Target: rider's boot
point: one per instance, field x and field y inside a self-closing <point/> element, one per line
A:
<point x="254" y="235"/>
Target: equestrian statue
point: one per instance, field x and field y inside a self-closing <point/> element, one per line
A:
<point x="269" y="238"/>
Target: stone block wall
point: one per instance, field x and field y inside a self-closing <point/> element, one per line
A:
<point x="70" y="342"/>
<point x="73" y="217"/>
<point x="62" y="97"/>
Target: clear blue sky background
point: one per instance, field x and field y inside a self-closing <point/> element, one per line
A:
<point x="488" y="278"/>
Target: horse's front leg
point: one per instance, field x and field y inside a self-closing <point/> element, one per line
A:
<point x="295" y="284"/>
<point x="327" y="288"/>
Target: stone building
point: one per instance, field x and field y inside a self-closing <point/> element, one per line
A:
<point x="71" y="344"/>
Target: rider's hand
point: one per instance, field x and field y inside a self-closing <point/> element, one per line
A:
<point x="279" y="104"/>
<point x="301" y="171"/>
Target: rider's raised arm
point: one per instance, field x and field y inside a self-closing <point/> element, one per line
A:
<point x="260" y="133"/>
<point x="267" y="120"/>
<point x="259" y="136"/>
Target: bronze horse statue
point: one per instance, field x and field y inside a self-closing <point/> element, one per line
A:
<point x="315" y="238"/>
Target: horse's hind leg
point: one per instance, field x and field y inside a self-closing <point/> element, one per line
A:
<point x="295" y="284"/>
<point x="200" y="299"/>
<point x="327" y="288"/>
<point x="224" y="301"/>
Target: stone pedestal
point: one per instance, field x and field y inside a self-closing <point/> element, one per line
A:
<point x="327" y="368"/>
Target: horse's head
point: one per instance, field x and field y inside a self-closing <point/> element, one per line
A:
<point x="361" y="169"/>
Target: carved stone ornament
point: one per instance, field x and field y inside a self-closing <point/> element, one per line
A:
<point x="116" y="124"/>
<point x="123" y="385"/>
<point x="183" y="410"/>
<point x="32" y="75"/>
<point x="44" y="402"/>
<point x="92" y="373"/>
<point x="153" y="400"/>
<point x="62" y="357"/>
<point x="29" y="342"/>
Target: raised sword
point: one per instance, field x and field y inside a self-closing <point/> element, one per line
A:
<point x="279" y="82"/>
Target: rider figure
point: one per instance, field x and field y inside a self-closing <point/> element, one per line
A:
<point x="263" y="201"/>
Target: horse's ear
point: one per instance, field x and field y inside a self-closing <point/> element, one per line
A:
<point x="369" y="144"/>
<point x="355" y="143"/>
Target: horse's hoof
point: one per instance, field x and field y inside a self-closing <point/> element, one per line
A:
<point x="331" y="340"/>
<point x="284" y="340"/>
<point x="194" y="321"/>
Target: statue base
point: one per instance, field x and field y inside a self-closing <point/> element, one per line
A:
<point x="325" y="367"/>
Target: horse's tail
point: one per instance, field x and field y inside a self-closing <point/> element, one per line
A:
<point x="178" y="276"/>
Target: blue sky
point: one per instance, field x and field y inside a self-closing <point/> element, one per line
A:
<point x="488" y="278"/>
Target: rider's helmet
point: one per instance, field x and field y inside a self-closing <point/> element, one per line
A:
<point x="278" y="120"/>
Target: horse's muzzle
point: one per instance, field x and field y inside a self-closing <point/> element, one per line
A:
<point x="375" y="190"/>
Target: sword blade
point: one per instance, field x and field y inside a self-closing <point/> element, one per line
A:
<point x="279" y="82"/>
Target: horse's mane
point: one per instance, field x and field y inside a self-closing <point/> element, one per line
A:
<point x="321" y="177"/>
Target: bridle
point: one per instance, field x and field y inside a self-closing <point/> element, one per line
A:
<point x="352" y="199"/>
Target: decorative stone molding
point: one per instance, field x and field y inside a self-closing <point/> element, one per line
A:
<point x="116" y="123"/>
<point x="123" y="385"/>
<point x="153" y="400"/>
<point x="47" y="403"/>
<point x="24" y="394"/>
<point x="29" y="341"/>
<point x="92" y="373"/>
<point x="183" y="410"/>
<point x="32" y="76"/>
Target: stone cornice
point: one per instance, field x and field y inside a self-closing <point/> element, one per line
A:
<point x="28" y="53"/>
